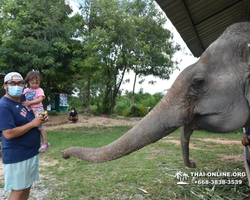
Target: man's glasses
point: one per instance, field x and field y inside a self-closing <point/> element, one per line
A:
<point x="13" y="83"/>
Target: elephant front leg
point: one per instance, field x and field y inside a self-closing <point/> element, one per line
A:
<point x="185" y="136"/>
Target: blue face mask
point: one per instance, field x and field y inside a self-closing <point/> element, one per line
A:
<point x="15" y="91"/>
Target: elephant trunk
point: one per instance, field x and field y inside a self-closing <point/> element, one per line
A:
<point x="156" y="125"/>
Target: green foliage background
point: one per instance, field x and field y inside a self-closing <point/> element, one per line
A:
<point x="89" y="52"/>
<point x="123" y="106"/>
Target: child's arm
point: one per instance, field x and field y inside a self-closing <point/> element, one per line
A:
<point x="38" y="100"/>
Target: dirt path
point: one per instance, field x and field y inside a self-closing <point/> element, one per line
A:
<point x="60" y="122"/>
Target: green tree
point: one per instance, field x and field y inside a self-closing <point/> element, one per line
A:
<point x="101" y="57"/>
<point x="120" y="36"/>
<point x="154" y="47"/>
<point x="38" y="35"/>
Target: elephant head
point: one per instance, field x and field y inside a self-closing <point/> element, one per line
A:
<point x="212" y="94"/>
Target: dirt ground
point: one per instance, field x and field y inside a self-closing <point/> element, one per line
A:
<point x="60" y="122"/>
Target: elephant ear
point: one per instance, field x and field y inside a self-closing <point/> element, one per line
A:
<point x="248" y="45"/>
<point x="248" y="55"/>
<point x="245" y="57"/>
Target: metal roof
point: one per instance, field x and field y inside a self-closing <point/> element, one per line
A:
<point x="200" y="22"/>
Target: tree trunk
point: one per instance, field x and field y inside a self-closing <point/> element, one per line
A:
<point x="106" y="100"/>
<point x="133" y="93"/>
<point x="83" y="100"/>
<point x="88" y="103"/>
<point x="47" y="93"/>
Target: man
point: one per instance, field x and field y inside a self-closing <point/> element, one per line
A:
<point x="20" y="139"/>
<point x="73" y="116"/>
<point x="246" y="137"/>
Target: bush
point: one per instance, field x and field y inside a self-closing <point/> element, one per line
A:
<point x="112" y="116"/>
<point x="95" y="112"/>
<point x="53" y="113"/>
<point x="143" y="110"/>
<point x="153" y="100"/>
<point x="135" y="111"/>
<point x="126" y="112"/>
<point x="121" y="105"/>
<point x="74" y="102"/>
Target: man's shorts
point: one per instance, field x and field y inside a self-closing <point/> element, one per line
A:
<point x="37" y="111"/>
<point x="21" y="175"/>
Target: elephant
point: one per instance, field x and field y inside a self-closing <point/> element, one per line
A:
<point x="213" y="94"/>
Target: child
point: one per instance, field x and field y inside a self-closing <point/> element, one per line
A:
<point x="34" y="97"/>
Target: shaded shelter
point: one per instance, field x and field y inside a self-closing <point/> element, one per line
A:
<point x="201" y="22"/>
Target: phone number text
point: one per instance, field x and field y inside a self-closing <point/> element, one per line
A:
<point x="218" y="182"/>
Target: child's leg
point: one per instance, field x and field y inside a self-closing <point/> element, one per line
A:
<point x="44" y="136"/>
<point x="37" y="111"/>
<point x="45" y="145"/>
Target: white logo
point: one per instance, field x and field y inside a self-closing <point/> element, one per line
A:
<point x="181" y="177"/>
<point x="17" y="106"/>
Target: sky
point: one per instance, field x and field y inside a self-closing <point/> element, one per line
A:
<point x="186" y="58"/>
<point x="184" y="55"/>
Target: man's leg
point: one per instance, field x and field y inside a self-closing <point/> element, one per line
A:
<point x="19" y="194"/>
<point x="75" y="119"/>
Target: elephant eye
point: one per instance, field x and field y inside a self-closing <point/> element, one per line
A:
<point x="198" y="83"/>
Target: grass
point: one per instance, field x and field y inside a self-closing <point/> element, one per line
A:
<point x="145" y="174"/>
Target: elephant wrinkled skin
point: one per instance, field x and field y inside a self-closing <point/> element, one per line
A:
<point x="212" y="94"/>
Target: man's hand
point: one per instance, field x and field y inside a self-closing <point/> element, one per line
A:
<point x="245" y="140"/>
<point x="43" y="117"/>
<point x="37" y="121"/>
